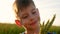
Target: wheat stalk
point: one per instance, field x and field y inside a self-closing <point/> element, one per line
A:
<point x="45" y="28"/>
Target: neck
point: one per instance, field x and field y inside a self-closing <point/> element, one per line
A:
<point x="36" y="31"/>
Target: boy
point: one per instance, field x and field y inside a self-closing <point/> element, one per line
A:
<point x="28" y="15"/>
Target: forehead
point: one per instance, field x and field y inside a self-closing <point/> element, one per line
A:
<point x="27" y="9"/>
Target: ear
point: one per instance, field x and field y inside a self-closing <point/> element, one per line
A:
<point x="18" y="23"/>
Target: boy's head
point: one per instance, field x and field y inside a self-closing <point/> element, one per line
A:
<point x="27" y="13"/>
<point x="23" y="4"/>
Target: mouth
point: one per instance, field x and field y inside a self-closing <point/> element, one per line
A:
<point x="33" y="23"/>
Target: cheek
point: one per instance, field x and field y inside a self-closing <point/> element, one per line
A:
<point x="37" y="16"/>
<point x="25" y="22"/>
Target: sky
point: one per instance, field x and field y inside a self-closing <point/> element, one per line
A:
<point x="47" y="9"/>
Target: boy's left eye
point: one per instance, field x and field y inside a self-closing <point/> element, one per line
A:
<point x="33" y="12"/>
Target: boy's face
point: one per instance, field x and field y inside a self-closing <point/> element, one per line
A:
<point x="30" y="17"/>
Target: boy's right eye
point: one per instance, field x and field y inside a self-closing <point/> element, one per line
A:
<point x="25" y="17"/>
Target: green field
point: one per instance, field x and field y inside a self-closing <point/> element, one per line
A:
<point x="10" y="29"/>
<point x="14" y="29"/>
<point x="55" y="29"/>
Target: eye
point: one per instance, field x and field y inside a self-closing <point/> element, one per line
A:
<point x="26" y="16"/>
<point x="34" y="12"/>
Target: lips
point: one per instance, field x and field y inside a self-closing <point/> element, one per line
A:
<point x="33" y="23"/>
